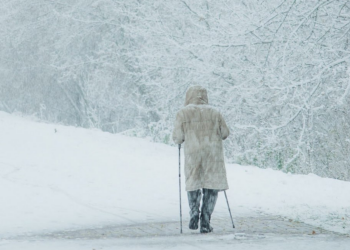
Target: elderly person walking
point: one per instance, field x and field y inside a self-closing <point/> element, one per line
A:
<point x="202" y="128"/>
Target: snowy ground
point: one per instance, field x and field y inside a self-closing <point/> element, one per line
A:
<point x="196" y="242"/>
<point x="57" y="178"/>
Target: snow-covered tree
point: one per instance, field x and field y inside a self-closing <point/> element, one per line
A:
<point x="277" y="70"/>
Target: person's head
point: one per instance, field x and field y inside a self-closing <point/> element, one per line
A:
<point x="196" y="95"/>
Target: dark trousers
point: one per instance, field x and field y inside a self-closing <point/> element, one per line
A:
<point x="210" y="197"/>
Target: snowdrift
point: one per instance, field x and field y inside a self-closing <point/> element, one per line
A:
<point x="55" y="177"/>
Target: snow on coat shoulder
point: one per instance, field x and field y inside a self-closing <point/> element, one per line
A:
<point x="202" y="128"/>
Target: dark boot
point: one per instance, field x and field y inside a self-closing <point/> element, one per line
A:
<point x="210" y="197"/>
<point x="194" y="199"/>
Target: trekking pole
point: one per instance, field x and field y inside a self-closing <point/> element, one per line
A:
<point x="229" y="209"/>
<point x="180" y="189"/>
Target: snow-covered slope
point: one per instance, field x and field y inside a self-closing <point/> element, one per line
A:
<point x="55" y="177"/>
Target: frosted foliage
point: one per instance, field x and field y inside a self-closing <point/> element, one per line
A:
<point x="277" y="70"/>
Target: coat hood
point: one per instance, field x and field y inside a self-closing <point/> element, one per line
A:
<point x="196" y="95"/>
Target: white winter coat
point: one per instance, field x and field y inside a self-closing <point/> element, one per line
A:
<point x="202" y="128"/>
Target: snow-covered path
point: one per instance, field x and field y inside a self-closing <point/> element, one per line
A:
<point x="253" y="232"/>
<point x="64" y="179"/>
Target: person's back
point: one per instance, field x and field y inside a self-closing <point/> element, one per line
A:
<point x="202" y="128"/>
